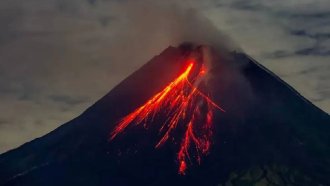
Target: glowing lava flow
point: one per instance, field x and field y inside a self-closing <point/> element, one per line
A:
<point x="183" y="104"/>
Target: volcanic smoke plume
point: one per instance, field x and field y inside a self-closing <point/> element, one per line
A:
<point x="186" y="101"/>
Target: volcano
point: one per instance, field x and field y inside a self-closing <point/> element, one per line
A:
<point x="192" y="115"/>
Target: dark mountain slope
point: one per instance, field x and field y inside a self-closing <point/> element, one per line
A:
<point x="269" y="135"/>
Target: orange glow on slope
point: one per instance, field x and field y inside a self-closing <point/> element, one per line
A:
<point x="181" y="102"/>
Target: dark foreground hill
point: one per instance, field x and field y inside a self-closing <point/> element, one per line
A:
<point x="269" y="135"/>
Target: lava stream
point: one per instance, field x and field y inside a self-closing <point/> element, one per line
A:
<point x="182" y="102"/>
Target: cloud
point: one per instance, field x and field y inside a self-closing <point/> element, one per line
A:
<point x="3" y="122"/>
<point x="304" y="33"/>
<point x="309" y="51"/>
<point x="317" y="51"/>
<point x="68" y="100"/>
<point x="277" y="54"/>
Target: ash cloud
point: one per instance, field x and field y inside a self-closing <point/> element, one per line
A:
<point x="147" y="27"/>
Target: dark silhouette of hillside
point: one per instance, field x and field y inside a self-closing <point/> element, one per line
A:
<point x="269" y="135"/>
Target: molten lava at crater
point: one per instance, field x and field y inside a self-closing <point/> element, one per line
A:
<point x="184" y="104"/>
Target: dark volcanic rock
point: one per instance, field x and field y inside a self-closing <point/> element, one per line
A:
<point x="269" y="135"/>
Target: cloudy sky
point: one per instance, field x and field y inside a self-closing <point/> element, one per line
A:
<point x="57" y="57"/>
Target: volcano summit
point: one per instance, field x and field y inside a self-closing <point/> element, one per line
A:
<point x="192" y="115"/>
<point x="183" y="101"/>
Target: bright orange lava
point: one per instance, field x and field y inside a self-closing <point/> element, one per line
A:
<point x="181" y="102"/>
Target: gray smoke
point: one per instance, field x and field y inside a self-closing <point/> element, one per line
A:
<point x="147" y="27"/>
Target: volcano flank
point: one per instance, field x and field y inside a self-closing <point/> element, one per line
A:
<point x="192" y="115"/>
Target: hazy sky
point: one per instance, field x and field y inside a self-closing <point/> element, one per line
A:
<point x="57" y="57"/>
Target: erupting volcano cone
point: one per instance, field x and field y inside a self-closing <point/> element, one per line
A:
<point x="190" y="116"/>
